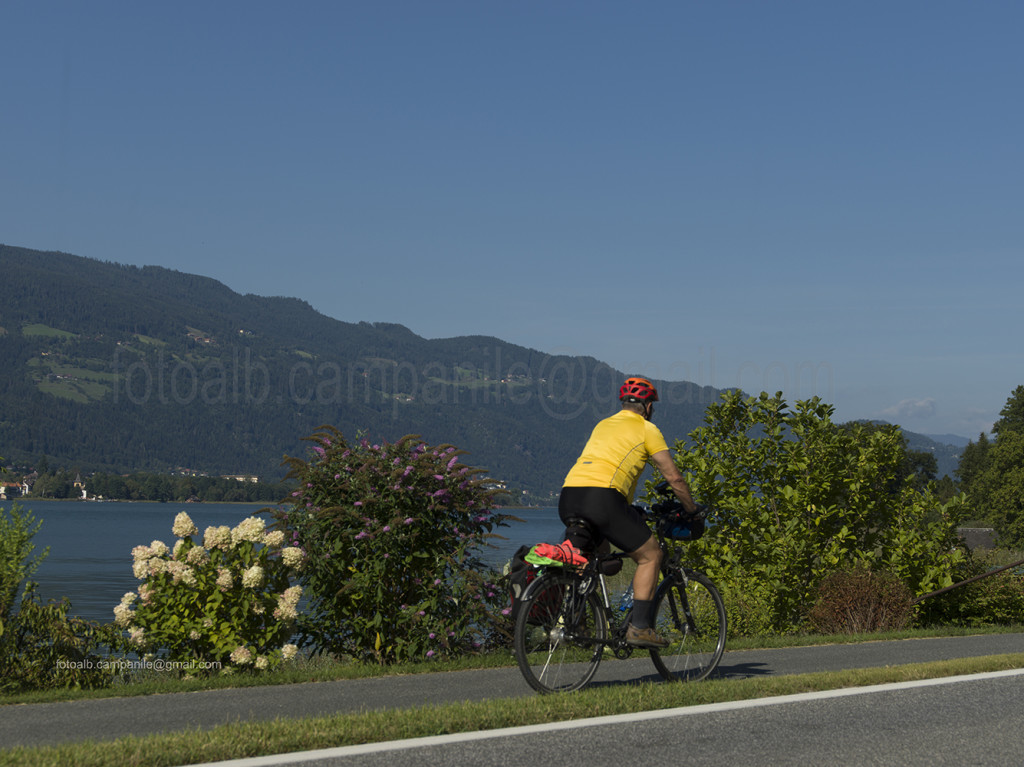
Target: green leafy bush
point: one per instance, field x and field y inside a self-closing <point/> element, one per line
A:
<point x="41" y="646"/>
<point x="393" y="534"/>
<point x="860" y="601"/>
<point x="797" y="497"/>
<point x="46" y="648"/>
<point x="993" y="600"/>
<point x="224" y="604"/>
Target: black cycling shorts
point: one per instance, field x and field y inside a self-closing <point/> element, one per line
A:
<point x="608" y="511"/>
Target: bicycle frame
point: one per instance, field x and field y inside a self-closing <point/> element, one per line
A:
<point x="567" y="623"/>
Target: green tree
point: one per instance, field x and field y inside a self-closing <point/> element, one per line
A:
<point x="973" y="462"/>
<point x="1012" y="414"/>
<point x="992" y="473"/>
<point x="797" y="497"/>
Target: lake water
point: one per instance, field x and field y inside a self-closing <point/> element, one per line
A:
<point x="90" y="559"/>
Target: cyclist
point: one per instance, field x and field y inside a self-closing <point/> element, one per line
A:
<point x="600" y="486"/>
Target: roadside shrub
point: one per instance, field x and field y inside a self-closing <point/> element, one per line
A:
<point x="46" y="648"/>
<point x="860" y="601"/>
<point x="393" y="534"/>
<point x="41" y="646"/>
<point x="995" y="600"/>
<point x="749" y="608"/>
<point x="226" y="603"/>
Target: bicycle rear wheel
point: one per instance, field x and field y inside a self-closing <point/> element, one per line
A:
<point x="558" y="633"/>
<point x="691" y="617"/>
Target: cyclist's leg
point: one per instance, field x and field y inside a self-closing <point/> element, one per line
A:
<point x="648" y="566"/>
<point x="645" y="582"/>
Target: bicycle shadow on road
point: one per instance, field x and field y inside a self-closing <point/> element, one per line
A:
<point x="741" y="670"/>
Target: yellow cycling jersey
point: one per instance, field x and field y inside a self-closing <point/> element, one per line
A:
<point x="616" y="453"/>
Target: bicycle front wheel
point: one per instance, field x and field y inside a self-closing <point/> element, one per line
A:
<point x="691" y="616"/>
<point x="559" y="633"/>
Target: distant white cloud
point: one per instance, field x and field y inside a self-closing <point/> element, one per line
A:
<point x="911" y="408"/>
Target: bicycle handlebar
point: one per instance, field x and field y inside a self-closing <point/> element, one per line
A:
<point x="664" y="489"/>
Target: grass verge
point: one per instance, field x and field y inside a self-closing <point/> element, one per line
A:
<point x="321" y="669"/>
<point x="286" y="735"/>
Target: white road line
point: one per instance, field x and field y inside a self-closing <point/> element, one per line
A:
<point x="641" y="716"/>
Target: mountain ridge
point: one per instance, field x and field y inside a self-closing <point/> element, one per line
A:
<point x="146" y="368"/>
<point x="118" y="367"/>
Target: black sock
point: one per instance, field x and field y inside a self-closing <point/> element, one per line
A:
<point x="641" y="617"/>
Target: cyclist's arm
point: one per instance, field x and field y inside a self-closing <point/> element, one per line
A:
<point x="663" y="462"/>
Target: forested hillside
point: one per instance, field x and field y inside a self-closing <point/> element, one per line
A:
<point x="112" y="367"/>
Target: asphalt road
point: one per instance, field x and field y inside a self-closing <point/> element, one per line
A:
<point x="50" y="723"/>
<point x="973" y="720"/>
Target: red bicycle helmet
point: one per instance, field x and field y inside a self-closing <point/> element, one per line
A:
<point x="638" y="390"/>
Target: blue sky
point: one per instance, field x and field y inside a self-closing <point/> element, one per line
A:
<point x="825" y="198"/>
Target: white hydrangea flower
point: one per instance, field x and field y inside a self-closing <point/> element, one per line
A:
<point x="224" y="579"/>
<point x="176" y="570"/>
<point x="123" y="615"/>
<point x="241" y="655"/>
<point x="188" y="577"/>
<point x="217" y="537"/>
<point x="289" y="651"/>
<point x="184" y="526"/>
<point x="261" y="662"/>
<point x="253" y="577"/>
<point x="137" y="636"/>
<point x="140" y="561"/>
<point x="293" y="557"/>
<point x="250" y="529"/>
<point x="287" y="602"/>
<point x="274" y="538"/>
<point x="197" y="555"/>
<point x="159" y="549"/>
<point x="176" y="551"/>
